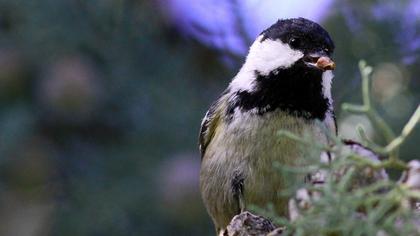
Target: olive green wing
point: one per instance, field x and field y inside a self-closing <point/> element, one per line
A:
<point x="208" y="126"/>
<point x="212" y="120"/>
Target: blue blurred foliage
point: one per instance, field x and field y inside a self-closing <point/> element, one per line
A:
<point x="101" y="103"/>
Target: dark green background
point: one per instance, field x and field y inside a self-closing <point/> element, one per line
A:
<point x="101" y="102"/>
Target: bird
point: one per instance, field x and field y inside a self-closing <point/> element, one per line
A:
<point x="284" y="84"/>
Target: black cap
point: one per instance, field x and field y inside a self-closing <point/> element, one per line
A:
<point x="301" y="34"/>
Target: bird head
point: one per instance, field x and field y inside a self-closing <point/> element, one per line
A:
<point x="298" y="42"/>
<point x="288" y="67"/>
<point x="290" y="41"/>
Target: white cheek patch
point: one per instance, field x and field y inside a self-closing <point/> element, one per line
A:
<point x="269" y="55"/>
<point x="264" y="57"/>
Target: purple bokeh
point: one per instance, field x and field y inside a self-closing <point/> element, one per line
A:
<point x="232" y="25"/>
<point x="411" y="31"/>
<point x="407" y="19"/>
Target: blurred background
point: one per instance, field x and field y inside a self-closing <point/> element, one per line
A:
<point x="101" y="101"/>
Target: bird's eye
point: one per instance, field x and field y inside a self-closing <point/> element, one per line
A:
<point x="326" y="49"/>
<point x="294" y="42"/>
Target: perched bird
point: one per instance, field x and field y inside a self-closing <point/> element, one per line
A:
<point x="284" y="84"/>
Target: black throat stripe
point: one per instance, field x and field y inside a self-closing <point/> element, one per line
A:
<point x="296" y="90"/>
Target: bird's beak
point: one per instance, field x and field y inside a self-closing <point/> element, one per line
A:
<point x="320" y="61"/>
<point x="325" y="63"/>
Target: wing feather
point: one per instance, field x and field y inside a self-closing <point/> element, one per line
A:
<point x="208" y="127"/>
<point x="210" y="122"/>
